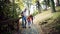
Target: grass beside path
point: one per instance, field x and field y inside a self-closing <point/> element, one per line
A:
<point x="42" y="16"/>
<point x="52" y="24"/>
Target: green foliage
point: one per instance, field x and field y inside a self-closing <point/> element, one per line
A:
<point x="35" y="13"/>
<point x="7" y="13"/>
<point x="58" y="27"/>
<point x="20" y="4"/>
<point x="7" y="10"/>
<point x="34" y="1"/>
<point x="48" y="2"/>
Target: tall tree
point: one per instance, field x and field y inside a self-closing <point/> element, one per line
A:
<point x="7" y="13"/>
<point x="45" y="3"/>
<point x="48" y="3"/>
<point x="52" y="4"/>
<point x="57" y="2"/>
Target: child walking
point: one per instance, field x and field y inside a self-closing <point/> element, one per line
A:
<point x="29" y="20"/>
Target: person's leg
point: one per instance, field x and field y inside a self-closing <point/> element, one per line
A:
<point x="29" y="24"/>
<point x="31" y="21"/>
<point x="23" y="22"/>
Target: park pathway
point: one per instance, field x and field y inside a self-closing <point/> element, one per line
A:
<point x="35" y="28"/>
<point x="32" y="30"/>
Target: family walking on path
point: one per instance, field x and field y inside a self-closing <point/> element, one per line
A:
<point x="26" y="19"/>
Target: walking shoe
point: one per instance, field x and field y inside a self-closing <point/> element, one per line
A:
<point x="29" y="27"/>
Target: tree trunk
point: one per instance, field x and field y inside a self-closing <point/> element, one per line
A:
<point x="45" y="4"/>
<point x="57" y="2"/>
<point x="52" y="5"/>
<point x="48" y="3"/>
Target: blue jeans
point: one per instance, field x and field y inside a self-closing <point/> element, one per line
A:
<point x="23" y="21"/>
<point x="29" y="23"/>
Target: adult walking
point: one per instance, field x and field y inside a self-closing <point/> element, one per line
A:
<point x="24" y="18"/>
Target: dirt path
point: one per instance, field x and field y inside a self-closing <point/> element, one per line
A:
<point x="35" y="28"/>
<point x="32" y="30"/>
